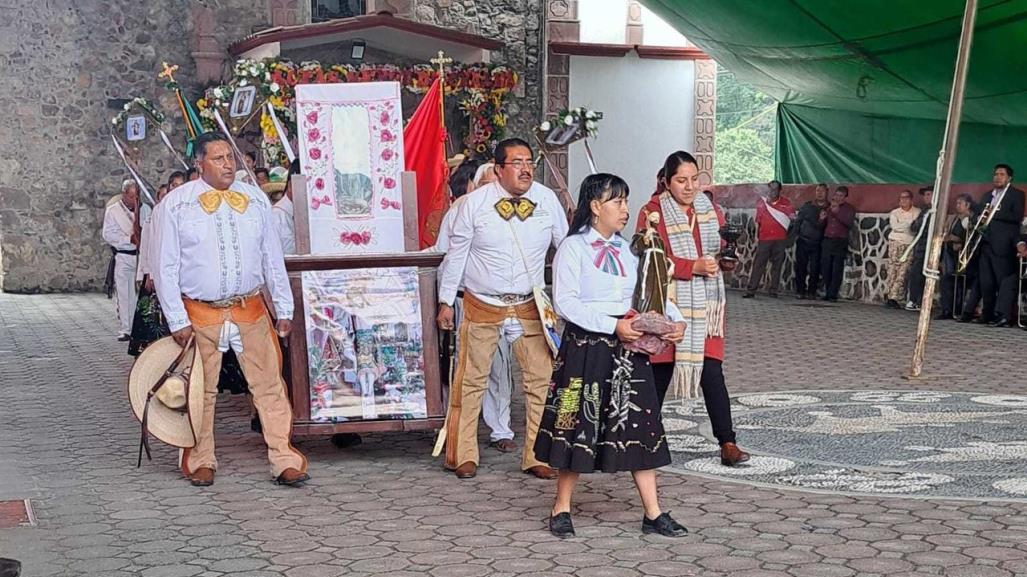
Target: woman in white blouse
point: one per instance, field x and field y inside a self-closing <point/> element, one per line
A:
<point x="602" y="412"/>
<point x="901" y="235"/>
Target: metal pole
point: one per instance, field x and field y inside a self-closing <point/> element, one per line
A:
<point x="943" y="180"/>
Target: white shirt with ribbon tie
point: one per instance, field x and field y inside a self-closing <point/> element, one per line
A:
<point x="218" y="255"/>
<point x="594" y="281"/>
<point x="482" y="254"/>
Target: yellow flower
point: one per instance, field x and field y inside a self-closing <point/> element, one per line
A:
<point x="201" y="103"/>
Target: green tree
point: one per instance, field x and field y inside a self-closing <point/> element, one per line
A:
<point x="746" y="131"/>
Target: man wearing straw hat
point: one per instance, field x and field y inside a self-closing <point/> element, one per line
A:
<point x="118" y="232"/>
<point x="218" y="249"/>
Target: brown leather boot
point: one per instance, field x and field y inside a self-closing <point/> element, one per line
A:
<point x="731" y="455"/>
<point x="542" y="472"/>
<point x="202" y="477"/>
<point x="467" y="471"/>
<point x="292" y="477"/>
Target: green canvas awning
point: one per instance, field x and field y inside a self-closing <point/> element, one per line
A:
<point x="863" y="85"/>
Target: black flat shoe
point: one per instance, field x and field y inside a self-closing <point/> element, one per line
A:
<point x="561" y="526"/>
<point x="663" y="525"/>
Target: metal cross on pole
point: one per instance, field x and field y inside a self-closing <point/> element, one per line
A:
<point x="441" y="61"/>
<point x="943" y="180"/>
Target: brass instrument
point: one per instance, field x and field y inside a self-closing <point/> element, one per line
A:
<point x="974" y="238"/>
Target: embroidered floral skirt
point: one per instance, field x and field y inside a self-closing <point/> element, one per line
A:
<point x="148" y="323"/>
<point x="602" y="412"/>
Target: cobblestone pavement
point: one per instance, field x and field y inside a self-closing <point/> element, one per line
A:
<point x="68" y="442"/>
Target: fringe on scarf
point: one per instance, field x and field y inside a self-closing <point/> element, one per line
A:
<point x="685" y="382"/>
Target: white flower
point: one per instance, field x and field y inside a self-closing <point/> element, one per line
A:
<point x="568" y="120"/>
<point x="546" y="126"/>
<point x="275" y="88"/>
<point x="218" y="93"/>
<point x="243" y="83"/>
<point x="581" y="110"/>
<point x="267" y="76"/>
<point x="590" y="125"/>
<point x="253" y="70"/>
<point x="590" y="115"/>
<point x="127" y="105"/>
<point x="114" y="121"/>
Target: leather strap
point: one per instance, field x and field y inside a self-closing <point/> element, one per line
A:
<point x="144" y="443"/>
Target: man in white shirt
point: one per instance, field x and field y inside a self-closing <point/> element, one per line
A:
<point x="283" y="213"/>
<point x="497" y="250"/>
<point x="118" y="232"/>
<point x="218" y="248"/>
<point x="495" y="405"/>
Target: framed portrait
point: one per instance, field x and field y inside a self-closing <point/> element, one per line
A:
<point x="242" y="102"/>
<point x="563" y="135"/>
<point x="365" y="344"/>
<point x="135" y="128"/>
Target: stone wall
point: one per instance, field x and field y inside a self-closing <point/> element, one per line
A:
<point x="516" y="23"/>
<point x="64" y="61"/>
<point x="866" y="271"/>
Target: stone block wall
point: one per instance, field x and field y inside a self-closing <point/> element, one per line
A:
<point x="62" y="62"/>
<point x="516" y="23"/>
<point x="866" y="271"/>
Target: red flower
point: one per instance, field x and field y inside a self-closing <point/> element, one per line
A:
<point x="365" y="237"/>
<point x="313" y="134"/>
<point x="387" y="154"/>
<point x="312" y="117"/>
<point x="385" y="117"/>
<point x="319" y="183"/>
<point x="344" y="238"/>
<point x="387" y="136"/>
<point x="390" y="183"/>
<point x="315" y="153"/>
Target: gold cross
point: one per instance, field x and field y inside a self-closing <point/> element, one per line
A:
<point x="441" y="61"/>
<point x="168" y="71"/>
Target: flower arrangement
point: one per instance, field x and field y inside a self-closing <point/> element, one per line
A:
<point x="587" y="119"/>
<point x="146" y="105"/>
<point x="483" y="90"/>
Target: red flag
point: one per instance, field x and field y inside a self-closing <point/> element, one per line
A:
<point x="424" y="150"/>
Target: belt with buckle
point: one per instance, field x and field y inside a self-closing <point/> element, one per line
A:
<point x="511" y="299"/>
<point x="231" y="301"/>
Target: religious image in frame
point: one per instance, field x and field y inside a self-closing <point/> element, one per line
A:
<point x="365" y="350"/>
<point x="351" y="154"/>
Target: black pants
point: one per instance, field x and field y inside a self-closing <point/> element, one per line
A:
<point x="807" y="267"/>
<point x="916" y="278"/>
<point x="832" y="264"/>
<point x="953" y="298"/>
<point x="714" y="392"/>
<point x="772" y="251"/>
<point x="998" y="283"/>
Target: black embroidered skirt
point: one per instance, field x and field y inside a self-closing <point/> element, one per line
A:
<point x="602" y="412"/>
<point x="148" y="322"/>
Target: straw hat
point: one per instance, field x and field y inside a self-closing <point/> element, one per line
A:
<point x="276" y="181"/>
<point x="176" y="409"/>
<point x="456" y="161"/>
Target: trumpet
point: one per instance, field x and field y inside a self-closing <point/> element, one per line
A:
<point x="974" y="238"/>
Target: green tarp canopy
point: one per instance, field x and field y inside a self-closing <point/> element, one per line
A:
<point x="863" y="85"/>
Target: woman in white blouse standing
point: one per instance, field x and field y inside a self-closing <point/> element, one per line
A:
<point x="602" y="412"/>
<point x="901" y="235"/>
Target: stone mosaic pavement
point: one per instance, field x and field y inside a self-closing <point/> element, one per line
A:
<point x="67" y="442"/>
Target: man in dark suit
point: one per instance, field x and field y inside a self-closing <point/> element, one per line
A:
<point x="998" y="266"/>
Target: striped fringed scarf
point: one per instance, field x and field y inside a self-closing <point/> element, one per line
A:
<point x="701" y="300"/>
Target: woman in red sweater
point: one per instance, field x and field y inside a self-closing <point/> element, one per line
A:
<point x="689" y="227"/>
